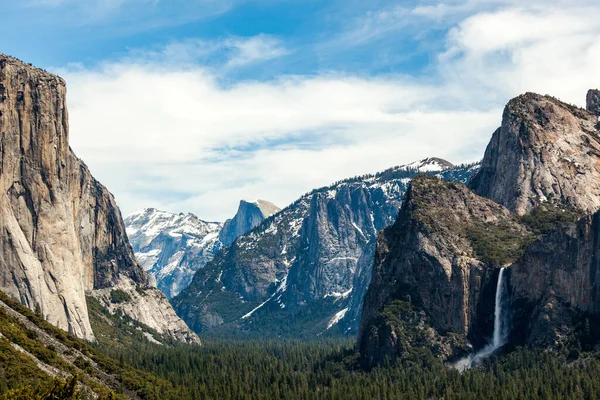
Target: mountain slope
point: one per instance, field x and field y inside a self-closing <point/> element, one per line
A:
<point x="62" y="234"/>
<point x="542" y="164"/>
<point x="293" y="274"/>
<point x="35" y="357"/>
<point x="436" y="260"/>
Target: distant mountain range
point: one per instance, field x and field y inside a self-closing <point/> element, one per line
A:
<point x="304" y="270"/>
<point x="172" y="247"/>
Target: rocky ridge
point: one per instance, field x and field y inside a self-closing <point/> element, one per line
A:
<point x="62" y="233"/>
<point x="172" y="247"/>
<point x="544" y="151"/>
<point x="248" y="216"/>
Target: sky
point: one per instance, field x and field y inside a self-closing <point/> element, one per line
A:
<point x="193" y="105"/>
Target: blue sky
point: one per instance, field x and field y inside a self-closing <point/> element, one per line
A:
<point x="54" y="33"/>
<point x="193" y="105"/>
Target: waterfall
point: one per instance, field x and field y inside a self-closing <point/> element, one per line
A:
<point x="499" y="331"/>
<point x="499" y="337"/>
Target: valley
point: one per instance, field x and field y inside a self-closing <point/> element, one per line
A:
<point x="425" y="280"/>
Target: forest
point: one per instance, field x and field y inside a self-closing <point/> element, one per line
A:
<point x="329" y="369"/>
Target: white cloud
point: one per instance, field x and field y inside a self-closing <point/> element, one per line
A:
<point x="170" y="135"/>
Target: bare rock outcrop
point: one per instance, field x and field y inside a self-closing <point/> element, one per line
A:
<point x="249" y="215"/>
<point x="61" y="232"/>
<point x="593" y="101"/>
<point x="546" y="151"/>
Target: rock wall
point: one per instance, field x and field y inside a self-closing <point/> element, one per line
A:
<point x="248" y="216"/>
<point x="61" y="234"/>
<point x="295" y="274"/>
<point x="555" y="281"/>
<point x="593" y="101"/>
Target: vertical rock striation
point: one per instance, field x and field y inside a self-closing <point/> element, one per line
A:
<point x="556" y="284"/>
<point x="295" y="273"/>
<point x="61" y="233"/>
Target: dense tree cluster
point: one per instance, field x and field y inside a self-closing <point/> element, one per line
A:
<point x="329" y="370"/>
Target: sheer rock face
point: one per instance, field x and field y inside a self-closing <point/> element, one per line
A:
<point x="61" y="231"/>
<point x="555" y="281"/>
<point x="545" y="151"/>
<point x="593" y="101"/>
<point x="248" y="216"/>
<point x="427" y="259"/>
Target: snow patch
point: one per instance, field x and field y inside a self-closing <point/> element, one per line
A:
<point x="280" y="289"/>
<point x="337" y="318"/>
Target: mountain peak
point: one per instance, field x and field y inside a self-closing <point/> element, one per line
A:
<point x="545" y="151"/>
<point x="431" y="164"/>
<point x="266" y="207"/>
<point x="248" y="216"/>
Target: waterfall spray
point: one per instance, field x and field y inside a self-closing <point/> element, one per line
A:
<point x="500" y="331"/>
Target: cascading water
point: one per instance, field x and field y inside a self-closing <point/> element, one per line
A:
<point x="499" y="330"/>
<point x="499" y="337"/>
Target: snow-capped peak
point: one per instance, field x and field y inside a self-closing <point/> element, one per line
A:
<point x="432" y="164"/>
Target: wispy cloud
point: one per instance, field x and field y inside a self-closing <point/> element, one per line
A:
<point x="255" y="49"/>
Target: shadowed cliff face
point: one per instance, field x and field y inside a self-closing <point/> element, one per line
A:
<point x="593" y="101"/>
<point x="61" y="231"/>
<point x="546" y="151"/>
<point x="556" y="284"/>
<point x="542" y="164"/>
<point x="437" y="259"/>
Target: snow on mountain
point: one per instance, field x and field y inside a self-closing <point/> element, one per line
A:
<point x="319" y="246"/>
<point x="172" y="247"/>
<point x="432" y="164"/>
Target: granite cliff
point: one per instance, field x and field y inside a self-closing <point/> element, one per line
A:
<point x="249" y="215"/>
<point x="62" y="235"/>
<point x="173" y="247"/>
<point x="545" y="151"/>
<point x="439" y="261"/>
